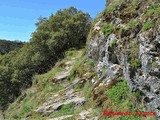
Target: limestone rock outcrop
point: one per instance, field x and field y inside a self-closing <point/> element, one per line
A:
<point x="132" y="51"/>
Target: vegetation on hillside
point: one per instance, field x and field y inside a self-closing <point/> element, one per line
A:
<point x="7" y="46"/>
<point x="66" y="29"/>
<point x="55" y="48"/>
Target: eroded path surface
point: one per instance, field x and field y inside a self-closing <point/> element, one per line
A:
<point x="67" y="96"/>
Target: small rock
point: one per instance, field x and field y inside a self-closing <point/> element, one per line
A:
<point x="62" y="117"/>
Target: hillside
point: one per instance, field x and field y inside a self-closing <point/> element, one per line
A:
<point x="116" y="76"/>
<point x="7" y="46"/>
<point x="69" y="92"/>
<point x="67" y="29"/>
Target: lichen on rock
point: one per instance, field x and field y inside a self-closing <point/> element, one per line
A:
<point x="139" y="62"/>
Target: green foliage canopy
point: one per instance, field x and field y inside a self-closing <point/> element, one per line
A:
<point x="66" y="29"/>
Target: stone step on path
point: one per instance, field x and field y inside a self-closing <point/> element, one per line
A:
<point x="60" y="76"/>
<point x="72" y="84"/>
<point x="86" y="115"/>
<point x="56" y="101"/>
<point x="62" y="117"/>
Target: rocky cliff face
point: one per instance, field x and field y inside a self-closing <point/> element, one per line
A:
<point x="125" y="41"/>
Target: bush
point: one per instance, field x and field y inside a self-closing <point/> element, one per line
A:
<point x="113" y="43"/>
<point x="87" y="90"/>
<point x="104" y="70"/>
<point x="135" y="63"/>
<point x="121" y="31"/>
<point x="64" y="110"/>
<point x="147" y="25"/>
<point x="154" y="10"/>
<point x="90" y="62"/>
<point x="78" y="86"/>
<point x="107" y="29"/>
<point x="112" y="7"/>
<point x="133" y="24"/>
<point x="154" y="64"/>
<point x="119" y="92"/>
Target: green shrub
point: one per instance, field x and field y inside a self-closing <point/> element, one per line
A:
<point x="133" y="51"/>
<point x="120" y="100"/>
<point x="154" y="10"/>
<point x="64" y="110"/>
<point x="154" y="64"/>
<point x="77" y="65"/>
<point x="135" y="63"/>
<point x="104" y="70"/>
<point x="119" y="92"/>
<point x="107" y="29"/>
<point x="91" y="74"/>
<point x="78" y="86"/>
<point x="134" y="2"/>
<point x="87" y="90"/>
<point x="133" y="24"/>
<point x="90" y="62"/>
<point x="137" y="94"/>
<point x="71" y="52"/>
<point x="134" y="47"/>
<point x="148" y="25"/>
<point x="112" y="7"/>
<point x="113" y="43"/>
<point x="121" y="30"/>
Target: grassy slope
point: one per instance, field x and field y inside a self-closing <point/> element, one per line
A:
<point x="43" y="87"/>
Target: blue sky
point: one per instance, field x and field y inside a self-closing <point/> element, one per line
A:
<point x="18" y="17"/>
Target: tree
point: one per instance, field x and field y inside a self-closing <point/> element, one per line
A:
<point x="66" y="29"/>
